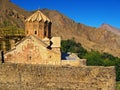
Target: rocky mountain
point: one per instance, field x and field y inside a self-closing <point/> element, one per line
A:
<point x="111" y="28"/>
<point x="12" y="14"/>
<point x="103" y="39"/>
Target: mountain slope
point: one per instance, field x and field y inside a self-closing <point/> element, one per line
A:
<point x="98" y="39"/>
<point x="111" y="28"/>
<point x="12" y="14"/>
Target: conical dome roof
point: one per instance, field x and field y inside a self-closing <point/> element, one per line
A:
<point x="38" y="16"/>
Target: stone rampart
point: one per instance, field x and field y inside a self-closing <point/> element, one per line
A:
<point x="39" y="77"/>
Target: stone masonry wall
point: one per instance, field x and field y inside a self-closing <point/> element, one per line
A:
<point x="37" y="77"/>
<point x="77" y="62"/>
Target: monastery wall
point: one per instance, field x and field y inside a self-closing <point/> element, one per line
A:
<point x="79" y="62"/>
<point x="38" y="77"/>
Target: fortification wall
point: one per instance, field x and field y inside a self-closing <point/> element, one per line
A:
<point x="37" y="77"/>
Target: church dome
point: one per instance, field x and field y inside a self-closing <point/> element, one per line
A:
<point x="38" y="16"/>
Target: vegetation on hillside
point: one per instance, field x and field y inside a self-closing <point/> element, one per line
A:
<point x="6" y="29"/>
<point x="94" y="58"/>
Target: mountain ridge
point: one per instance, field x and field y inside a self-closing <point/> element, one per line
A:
<point x="91" y="38"/>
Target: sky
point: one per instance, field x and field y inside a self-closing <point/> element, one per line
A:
<point x="89" y="12"/>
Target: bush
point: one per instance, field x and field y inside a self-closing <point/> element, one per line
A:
<point x="94" y="59"/>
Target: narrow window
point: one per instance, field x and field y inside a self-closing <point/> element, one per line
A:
<point x="27" y="32"/>
<point x="30" y="57"/>
<point x="45" y="33"/>
<point x="2" y="55"/>
<point x="35" y="32"/>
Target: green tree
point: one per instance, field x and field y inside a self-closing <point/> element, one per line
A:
<point x="94" y="58"/>
<point x="72" y="46"/>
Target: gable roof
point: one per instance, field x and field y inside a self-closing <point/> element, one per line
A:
<point x="40" y="41"/>
<point x="30" y="36"/>
<point x="38" y="16"/>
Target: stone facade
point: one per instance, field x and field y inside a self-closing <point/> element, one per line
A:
<point x="33" y="50"/>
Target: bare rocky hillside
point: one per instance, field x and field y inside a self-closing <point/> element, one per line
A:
<point x="101" y="39"/>
<point x="111" y="28"/>
<point x="12" y="14"/>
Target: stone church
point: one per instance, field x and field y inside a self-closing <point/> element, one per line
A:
<point x="39" y="47"/>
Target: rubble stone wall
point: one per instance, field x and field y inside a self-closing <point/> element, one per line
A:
<point x="39" y="77"/>
<point x="79" y="62"/>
